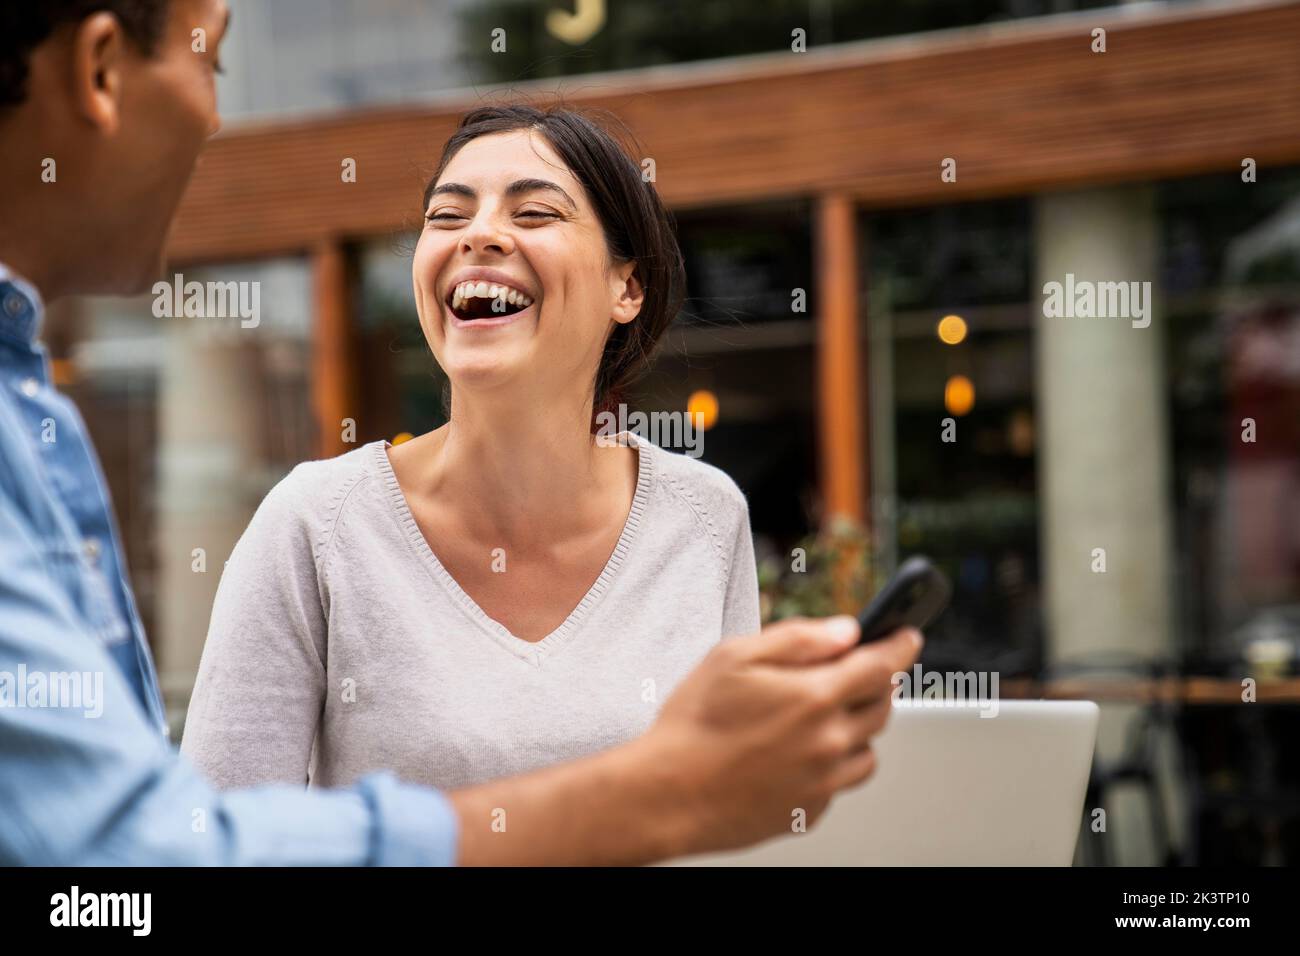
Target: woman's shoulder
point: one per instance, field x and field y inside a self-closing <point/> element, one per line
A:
<point x="706" y="487"/>
<point x="313" y="483"/>
<point x="309" y="499"/>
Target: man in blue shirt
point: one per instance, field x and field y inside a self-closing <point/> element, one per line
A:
<point x="104" y="108"/>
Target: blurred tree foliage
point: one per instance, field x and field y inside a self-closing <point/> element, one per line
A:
<point x="642" y="33"/>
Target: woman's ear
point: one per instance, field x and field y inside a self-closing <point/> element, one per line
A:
<point x="630" y="292"/>
<point x="98" y="58"/>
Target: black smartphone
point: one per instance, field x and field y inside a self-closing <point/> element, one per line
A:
<point x="916" y="595"/>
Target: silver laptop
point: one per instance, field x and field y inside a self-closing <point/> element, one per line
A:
<point x="954" y="788"/>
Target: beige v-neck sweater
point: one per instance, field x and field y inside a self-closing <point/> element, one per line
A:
<point x="340" y="645"/>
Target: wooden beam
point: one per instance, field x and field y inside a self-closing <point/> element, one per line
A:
<point x="840" y="404"/>
<point x="332" y="384"/>
<point x="1023" y="107"/>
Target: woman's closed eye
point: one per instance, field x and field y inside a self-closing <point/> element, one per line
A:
<point x="533" y="216"/>
<point x="537" y="214"/>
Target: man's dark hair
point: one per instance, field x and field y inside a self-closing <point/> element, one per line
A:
<point x="637" y="226"/>
<point x="26" y="24"/>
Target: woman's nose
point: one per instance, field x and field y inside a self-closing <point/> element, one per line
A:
<point x="486" y="235"/>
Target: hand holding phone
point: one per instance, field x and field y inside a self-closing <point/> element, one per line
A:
<point x="916" y="595"/>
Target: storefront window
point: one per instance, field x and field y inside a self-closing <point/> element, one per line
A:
<point x="399" y="385"/>
<point x="1231" y="277"/>
<point x="951" y="397"/>
<point x="745" y="337"/>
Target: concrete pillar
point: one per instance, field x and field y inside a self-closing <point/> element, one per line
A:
<point x="1103" y="434"/>
<point x="208" y="456"/>
<point x="1104" y="470"/>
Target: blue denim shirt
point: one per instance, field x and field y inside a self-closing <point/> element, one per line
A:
<point x="86" y="772"/>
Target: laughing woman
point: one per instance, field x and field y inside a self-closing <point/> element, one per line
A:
<point x="506" y="591"/>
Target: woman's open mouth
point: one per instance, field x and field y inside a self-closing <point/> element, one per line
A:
<point x="483" y="301"/>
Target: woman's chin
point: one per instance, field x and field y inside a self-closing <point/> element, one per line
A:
<point x="469" y="372"/>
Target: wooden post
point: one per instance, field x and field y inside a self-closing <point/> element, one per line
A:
<point x="332" y="384"/>
<point x="840" y="404"/>
<point x="841" y="408"/>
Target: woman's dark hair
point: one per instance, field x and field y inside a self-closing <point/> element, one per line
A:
<point x="636" y="224"/>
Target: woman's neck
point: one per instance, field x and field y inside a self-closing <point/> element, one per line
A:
<point x="522" y="470"/>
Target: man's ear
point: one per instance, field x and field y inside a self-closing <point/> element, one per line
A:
<point x="631" y="293"/>
<point x="99" y="53"/>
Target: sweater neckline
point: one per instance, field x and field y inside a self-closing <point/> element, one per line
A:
<point x="534" y="652"/>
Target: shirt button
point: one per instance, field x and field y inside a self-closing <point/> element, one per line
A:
<point x="30" y="387"/>
<point x="90" y="547"/>
<point x="14" y="303"/>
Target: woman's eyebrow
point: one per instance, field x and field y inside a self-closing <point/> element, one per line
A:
<point x="518" y="187"/>
<point x="531" y="185"/>
<point x="457" y="189"/>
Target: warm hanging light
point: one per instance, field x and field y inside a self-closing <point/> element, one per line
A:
<point x="702" y="409"/>
<point x="952" y="329"/>
<point x="959" y="395"/>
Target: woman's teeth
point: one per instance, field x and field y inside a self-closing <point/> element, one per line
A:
<point x="488" y="290"/>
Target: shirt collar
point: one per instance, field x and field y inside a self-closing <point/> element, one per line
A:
<point x="21" y="308"/>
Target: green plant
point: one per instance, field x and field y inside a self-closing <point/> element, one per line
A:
<point x="825" y="573"/>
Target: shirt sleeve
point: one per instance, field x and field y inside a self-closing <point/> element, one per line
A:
<point x="740" y="610"/>
<point x="94" y="783"/>
<point x="261" y="684"/>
